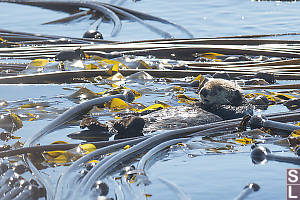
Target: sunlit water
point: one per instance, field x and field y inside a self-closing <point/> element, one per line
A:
<point x="201" y="18"/>
<point x="201" y="177"/>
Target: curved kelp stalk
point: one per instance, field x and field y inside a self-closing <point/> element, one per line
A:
<point x="135" y="18"/>
<point x="281" y="117"/>
<point x="288" y="116"/>
<point x="109" y="11"/>
<point x="145" y="16"/>
<point x="67" y="116"/>
<point x="65" y="180"/>
<point x="181" y="195"/>
<point x="109" y="163"/>
<point x="73" y="7"/>
<point x="70" y="18"/>
<point x="145" y="159"/>
<point x="106" y="165"/>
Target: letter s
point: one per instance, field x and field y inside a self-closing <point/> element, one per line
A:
<point x="293" y="176"/>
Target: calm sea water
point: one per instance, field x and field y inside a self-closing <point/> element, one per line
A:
<point x="201" y="177"/>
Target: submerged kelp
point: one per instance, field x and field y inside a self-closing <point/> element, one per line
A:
<point x="160" y="75"/>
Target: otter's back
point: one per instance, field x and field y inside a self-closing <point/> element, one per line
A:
<point x="178" y="117"/>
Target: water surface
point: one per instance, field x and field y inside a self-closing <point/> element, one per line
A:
<point x="201" y="177"/>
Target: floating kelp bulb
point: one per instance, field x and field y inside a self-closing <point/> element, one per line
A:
<point x="248" y="189"/>
<point x="267" y="76"/>
<point x="93" y="34"/>
<point x="83" y="172"/>
<point x="297" y="151"/>
<point x="259" y="122"/>
<point x="64" y="55"/>
<point x="259" y="153"/>
<point x="102" y="188"/>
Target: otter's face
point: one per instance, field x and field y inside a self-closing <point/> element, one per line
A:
<point x="217" y="92"/>
<point x="214" y="95"/>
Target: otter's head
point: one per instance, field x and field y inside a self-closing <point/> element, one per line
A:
<point x="221" y="92"/>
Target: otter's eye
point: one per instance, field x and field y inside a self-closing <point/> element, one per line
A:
<point x="203" y="92"/>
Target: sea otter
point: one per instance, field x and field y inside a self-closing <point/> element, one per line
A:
<point x="225" y="99"/>
<point x="220" y="99"/>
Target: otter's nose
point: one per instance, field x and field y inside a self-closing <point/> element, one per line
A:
<point x="203" y="92"/>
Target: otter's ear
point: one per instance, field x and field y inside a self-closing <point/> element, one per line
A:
<point x="237" y="100"/>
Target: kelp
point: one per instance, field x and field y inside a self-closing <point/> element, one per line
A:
<point x="79" y="76"/>
<point x="247" y="190"/>
<point x="261" y="154"/>
<point x="105" y="59"/>
<point x="70" y="18"/>
<point x="104" y="65"/>
<point x="65" y="183"/>
<point x="107" y="164"/>
<point x="70" y="114"/>
<point x="107" y="10"/>
<point x="277" y="48"/>
<point x="217" y="126"/>
<point x="282" y="117"/>
<point x="143" y="161"/>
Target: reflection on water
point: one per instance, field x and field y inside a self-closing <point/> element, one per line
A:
<point x="201" y="18"/>
<point x="220" y="176"/>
